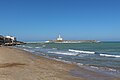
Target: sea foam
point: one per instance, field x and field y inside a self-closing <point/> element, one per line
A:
<point x="63" y="53"/>
<point x="79" y="51"/>
<point x="107" y="55"/>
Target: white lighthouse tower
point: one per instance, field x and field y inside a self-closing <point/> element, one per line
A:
<point x="59" y="38"/>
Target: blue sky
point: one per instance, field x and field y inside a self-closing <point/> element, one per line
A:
<point x="73" y="19"/>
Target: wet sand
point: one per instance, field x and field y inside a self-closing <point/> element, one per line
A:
<point x="17" y="64"/>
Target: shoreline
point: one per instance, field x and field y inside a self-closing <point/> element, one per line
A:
<point x="17" y="64"/>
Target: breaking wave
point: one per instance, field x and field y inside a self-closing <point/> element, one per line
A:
<point x="107" y="55"/>
<point x="28" y="50"/>
<point x="79" y="51"/>
<point x="63" y="53"/>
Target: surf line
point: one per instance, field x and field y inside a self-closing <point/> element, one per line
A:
<point x="79" y="51"/>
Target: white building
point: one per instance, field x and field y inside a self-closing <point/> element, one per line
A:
<point x="11" y="37"/>
<point x="59" y="38"/>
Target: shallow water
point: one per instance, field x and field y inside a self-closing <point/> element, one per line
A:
<point x="104" y="56"/>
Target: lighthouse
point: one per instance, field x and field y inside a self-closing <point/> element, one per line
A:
<point x="59" y="38"/>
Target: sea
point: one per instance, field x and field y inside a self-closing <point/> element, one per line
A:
<point x="103" y="57"/>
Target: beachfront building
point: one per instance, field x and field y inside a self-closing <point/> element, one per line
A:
<point x="9" y="41"/>
<point x="11" y="38"/>
<point x="4" y="40"/>
<point x="1" y="39"/>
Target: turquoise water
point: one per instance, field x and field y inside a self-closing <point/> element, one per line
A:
<point x="104" y="56"/>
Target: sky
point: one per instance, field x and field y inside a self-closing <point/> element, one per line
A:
<point x="74" y="19"/>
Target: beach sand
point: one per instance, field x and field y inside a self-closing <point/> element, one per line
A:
<point x="17" y="64"/>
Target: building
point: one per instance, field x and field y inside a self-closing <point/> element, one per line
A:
<point x="9" y="41"/>
<point x="59" y="38"/>
<point x="1" y="39"/>
<point x="11" y="38"/>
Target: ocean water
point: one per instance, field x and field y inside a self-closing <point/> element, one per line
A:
<point x="102" y="57"/>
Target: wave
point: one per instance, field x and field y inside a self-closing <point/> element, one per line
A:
<point x="29" y="47"/>
<point x="63" y="53"/>
<point x="28" y="50"/>
<point x="104" y="69"/>
<point x="24" y="46"/>
<point x="37" y="47"/>
<point x="79" y="51"/>
<point x="107" y="55"/>
<point x="54" y="48"/>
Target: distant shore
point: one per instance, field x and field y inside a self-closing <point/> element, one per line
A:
<point x="17" y="64"/>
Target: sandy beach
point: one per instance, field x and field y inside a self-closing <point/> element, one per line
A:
<point x="17" y="64"/>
